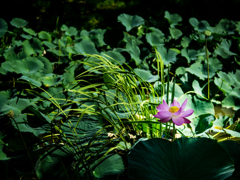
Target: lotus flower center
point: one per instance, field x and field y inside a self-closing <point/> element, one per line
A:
<point x="173" y="109"/>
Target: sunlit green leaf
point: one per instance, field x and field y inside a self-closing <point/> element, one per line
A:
<point x="72" y="31"/>
<point x="175" y="33"/>
<point x="45" y="35"/>
<point x="185" y="42"/>
<point x="85" y="47"/>
<point x="224" y="49"/>
<point x="155" y="38"/>
<point x="168" y="56"/>
<point x="146" y="75"/>
<point x="26" y="36"/>
<point x="130" y="21"/>
<point x="29" y="31"/>
<point x="30" y="80"/>
<point x="134" y="51"/>
<point x="173" y="19"/>
<point x="114" y="57"/>
<point x="202" y="123"/>
<point x="129" y="38"/>
<point x="189" y="54"/>
<point x="232" y="100"/>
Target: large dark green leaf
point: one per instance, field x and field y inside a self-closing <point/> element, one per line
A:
<point x="97" y="36"/>
<point x="112" y="165"/>
<point x="134" y="52"/>
<point x="201" y="70"/>
<point x="185" y="42"/>
<point x="16" y="105"/>
<point x="30" y="80"/>
<point x="72" y="31"/>
<point x="54" y="164"/>
<point x="85" y="47"/>
<point x="175" y="33"/>
<point x="34" y="47"/>
<point x="146" y="75"/>
<point x="45" y="35"/>
<point x="202" y="123"/>
<point x="3" y="27"/>
<point x="230" y="78"/>
<point x="30" y="31"/>
<point x="173" y="19"/>
<point x="155" y="38"/>
<point x="55" y="94"/>
<point x="129" y="38"/>
<point x="168" y="56"/>
<point x="130" y="21"/>
<point x="225" y="27"/>
<point x="232" y="100"/>
<point x="199" y="26"/>
<point x="233" y="149"/>
<point x="222" y="85"/>
<point x="114" y="57"/>
<point x="28" y="66"/>
<point x="182" y="159"/>
<point x="224" y="49"/>
<point x="51" y="80"/>
<point x="18" y="22"/>
<point x="189" y="54"/>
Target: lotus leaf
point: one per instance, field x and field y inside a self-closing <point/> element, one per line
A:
<point x="129" y="38"/>
<point x="232" y="100"/>
<point x="71" y="31"/>
<point x="45" y="35"/>
<point x="85" y="47"/>
<point x="49" y="45"/>
<point x="18" y="22"/>
<point x="130" y="21"/>
<point x="134" y="52"/>
<point x="180" y="159"/>
<point x="146" y="75"/>
<point x="28" y="66"/>
<point x="222" y="85"/>
<point x="233" y="148"/>
<point x="114" y="57"/>
<point x="30" y="31"/>
<point x="173" y="19"/>
<point x="224" y="49"/>
<point x="175" y="33"/>
<point x="189" y="54"/>
<point x="226" y="27"/>
<point x="16" y="105"/>
<point x="55" y="94"/>
<point x="155" y="38"/>
<point x="112" y="165"/>
<point x="30" y="80"/>
<point x="55" y="163"/>
<point x="3" y="27"/>
<point x="202" y="123"/>
<point x="51" y="80"/>
<point x="168" y="56"/>
<point x="199" y="26"/>
<point x="185" y="42"/>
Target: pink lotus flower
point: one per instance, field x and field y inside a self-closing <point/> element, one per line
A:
<point x="174" y="113"/>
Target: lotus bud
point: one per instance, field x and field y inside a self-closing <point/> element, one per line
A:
<point x="207" y="33"/>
